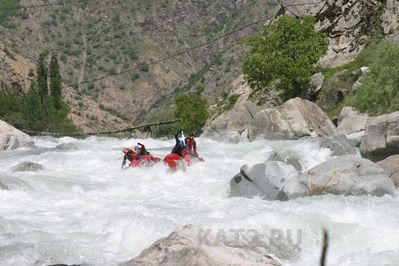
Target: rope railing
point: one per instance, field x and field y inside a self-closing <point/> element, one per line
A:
<point x="144" y="126"/>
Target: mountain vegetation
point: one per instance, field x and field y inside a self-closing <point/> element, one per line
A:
<point x="41" y="109"/>
<point x="283" y="55"/>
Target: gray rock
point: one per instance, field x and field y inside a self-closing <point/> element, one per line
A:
<point x="351" y="121"/>
<point x="27" y="167"/>
<point x="381" y="138"/>
<point x="271" y="181"/>
<point x="233" y="125"/>
<point x="294" y="119"/>
<point x="391" y="167"/>
<point x="339" y="145"/>
<point x="316" y="83"/>
<point x="390" y="16"/>
<point x="192" y="245"/>
<point x="356" y="138"/>
<point x="288" y="157"/>
<point x="347" y="175"/>
<point x="12" y="138"/>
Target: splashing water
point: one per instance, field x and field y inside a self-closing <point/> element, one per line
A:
<point x="82" y="208"/>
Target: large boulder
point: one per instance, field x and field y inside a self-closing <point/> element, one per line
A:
<point x="27" y="167"/>
<point x="12" y="138"/>
<point x="339" y="145"/>
<point x="271" y="181"/>
<point x="381" y="138"/>
<point x="347" y="175"/>
<point x="391" y="167"/>
<point x="192" y="245"/>
<point x="294" y="119"/>
<point x="351" y="121"/>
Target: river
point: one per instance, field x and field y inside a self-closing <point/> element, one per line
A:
<point x="82" y="208"/>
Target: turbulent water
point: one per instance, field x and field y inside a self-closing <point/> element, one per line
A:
<point x="82" y="208"/>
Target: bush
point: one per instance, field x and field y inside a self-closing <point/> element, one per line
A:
<point x="379" y="92"/>
<point x="284" y="54"/>
<point x="192" y="109"/>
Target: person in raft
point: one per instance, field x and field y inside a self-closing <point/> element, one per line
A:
<point x="130" y="155"/>
<point x="178" y="153"/>
<point x="191" y="145"/>
<point x="141" y="150"/>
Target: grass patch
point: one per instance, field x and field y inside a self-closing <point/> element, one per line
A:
<point x="8" y="8"/>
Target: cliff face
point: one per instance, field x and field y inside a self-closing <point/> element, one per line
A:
<point x="347" y="23"/>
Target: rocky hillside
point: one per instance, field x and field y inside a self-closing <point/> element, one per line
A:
<point x="100" y="38"/>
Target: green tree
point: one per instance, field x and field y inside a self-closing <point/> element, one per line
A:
<point x="42" y="76"/>
<point x="55" y="82"/>
<point x="379" y="92"/>
<point x="283" y="55"/>
<point x="192" y="110"/>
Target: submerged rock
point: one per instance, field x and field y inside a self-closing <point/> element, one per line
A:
<point x="12" y="138"/>
<point x="381" y="138"/>
<point x="273" y="180"/>
<point x="294" y="119"/>
<point x="391" y="167"/>
<point x="67" y="146"/>
<point x="347" y="175"/>
<point x="3" y="187"/>
<point x="192" y="245"/>
<point x="27" y="167"/>
<point x="339" y="145"/>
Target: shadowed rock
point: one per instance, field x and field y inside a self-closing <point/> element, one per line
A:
<point x="381" y="138"/>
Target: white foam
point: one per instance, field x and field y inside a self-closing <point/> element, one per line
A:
<point x="83" y="208"/>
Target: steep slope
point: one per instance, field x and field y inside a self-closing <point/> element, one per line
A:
<point x="100" y="38"/>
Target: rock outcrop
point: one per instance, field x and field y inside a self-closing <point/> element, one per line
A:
<point x="347" y="24"/>
<point x="294" y="119"/>
<point x="390" y="17"/>
<point x="347" y="175"/>
<point x="271" y="181"/>
<point x="391" y="167"/>
<point x="381" y="138"/>
<point x="234" y="124"/>
<point x="12" y="138"/>
<point x="351" y="121"/>
<point x="192" y="245"/>
<point x="27" y="167"/>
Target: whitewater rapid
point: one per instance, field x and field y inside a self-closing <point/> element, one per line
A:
<point x="82" y="208"/>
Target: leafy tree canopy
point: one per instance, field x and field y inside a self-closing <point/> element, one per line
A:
<point x="192" y="109"/>
<point x="283" y="54"/>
